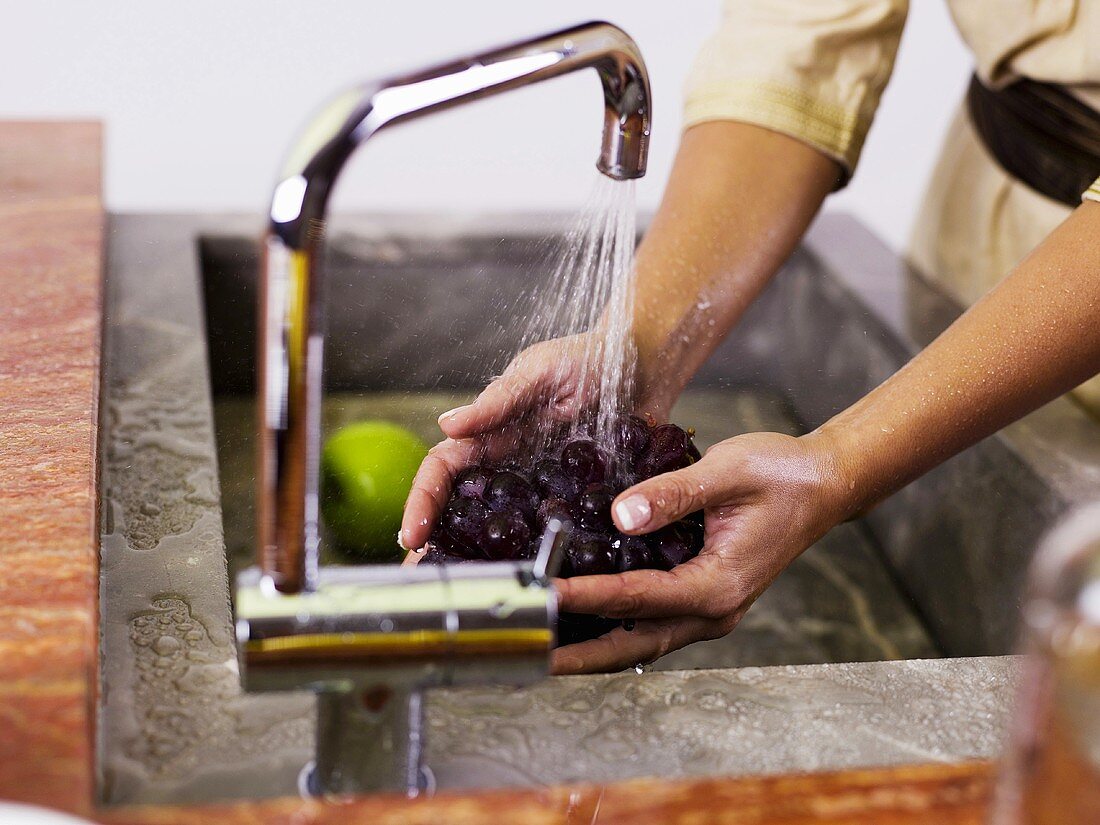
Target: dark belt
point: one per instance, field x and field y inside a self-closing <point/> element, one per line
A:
<point x="1040" y="134"/>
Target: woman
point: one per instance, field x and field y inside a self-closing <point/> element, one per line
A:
<point x="779" y="103"/>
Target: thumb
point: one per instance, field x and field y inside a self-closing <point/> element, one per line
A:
<point x="666" y="498"/>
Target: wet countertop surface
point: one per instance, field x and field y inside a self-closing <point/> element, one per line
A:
<point x="747" y="720"/>
<point x="177" y="728"/>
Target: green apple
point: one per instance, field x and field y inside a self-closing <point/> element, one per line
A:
<point x="367" y="469"/>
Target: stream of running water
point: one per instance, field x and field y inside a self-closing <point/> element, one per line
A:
<point x="589" y="299"/>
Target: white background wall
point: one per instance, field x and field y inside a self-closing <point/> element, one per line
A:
<point x="201" y="99"/>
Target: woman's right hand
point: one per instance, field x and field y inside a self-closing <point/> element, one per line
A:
<point x="553" y="378"/>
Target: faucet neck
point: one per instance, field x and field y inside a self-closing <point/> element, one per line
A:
<point x="292" y="305"/>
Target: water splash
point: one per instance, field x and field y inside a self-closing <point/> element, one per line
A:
<point x="589" y="299"/>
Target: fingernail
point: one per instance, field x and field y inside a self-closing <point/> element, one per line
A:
<point x="633" y="512"/>
<point x="451" y="413"/>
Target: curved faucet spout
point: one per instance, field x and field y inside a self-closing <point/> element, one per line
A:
<point x="291" y="319"/>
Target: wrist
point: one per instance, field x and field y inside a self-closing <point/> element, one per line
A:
<point x="667" y="354"/>
<point x="845" y="478"/>
<point x="658" y="381"/>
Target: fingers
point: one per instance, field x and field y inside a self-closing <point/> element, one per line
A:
<point x="431" y="487"/>
<point x="689" y="589"/>
<point x="506" y="398"/>
<point x="620" y="649"/>
<point x="669" y="497"/>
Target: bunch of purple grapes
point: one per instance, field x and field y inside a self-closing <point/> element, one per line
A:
<point x="499" y="512"/>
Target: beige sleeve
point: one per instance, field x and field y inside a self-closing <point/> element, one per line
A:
<point x="811" y="69"/>
<point x="1093" y="192"/>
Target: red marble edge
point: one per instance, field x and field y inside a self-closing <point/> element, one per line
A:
<point x="951" y="793"/>
<point x="57" y="173"/>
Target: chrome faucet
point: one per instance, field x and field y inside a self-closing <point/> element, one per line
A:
<point x="370" y="639"/>
<point x="291" y="319"/>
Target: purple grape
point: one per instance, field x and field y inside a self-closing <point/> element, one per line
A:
<point x="551" y="481"/>
<point x="582" y="459"/>
<point x="463" y="521"/>
<point x="472" y="481"/>
<point x="591" y="555"/>
<point x="442" y="549"/>
<point x="594" y="507"/>
<point x="671" y="545"/>
<point x="441" y="541"/>
<point x="554" y="508"/>
<point x="434" y="556"/>
<point x="667" y="451"/>
<point x="505" y="535"/>
<point x="510" y="491"/>
<point x="634" y="554"/>
<point x="496" y="513"/>
<point x="634" y="435"/>
<point x="439" y="555"/>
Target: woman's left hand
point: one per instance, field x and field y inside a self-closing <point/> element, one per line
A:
<point x="766" y="498"/>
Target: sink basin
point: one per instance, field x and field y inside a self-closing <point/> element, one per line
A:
<point x="838" y="664"/>
<point x="391" y="303"/>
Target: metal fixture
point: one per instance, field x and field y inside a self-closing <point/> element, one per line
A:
<point x="369" y="640"/>
<point x="292" y="305"/>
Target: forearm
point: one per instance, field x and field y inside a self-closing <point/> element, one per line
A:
<point x="1032" y="338"/>
<point x="737" y="202"/>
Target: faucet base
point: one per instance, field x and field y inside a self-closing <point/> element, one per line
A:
<point x="369" y="742"/>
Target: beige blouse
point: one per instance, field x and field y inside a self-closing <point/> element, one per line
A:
<point x="815" y="70"/>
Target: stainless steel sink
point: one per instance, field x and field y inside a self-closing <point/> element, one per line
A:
<point x="421" y="311"/>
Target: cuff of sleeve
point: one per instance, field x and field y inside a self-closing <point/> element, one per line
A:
<point x="837" y="132"/>
<point x="1092" y="193"/>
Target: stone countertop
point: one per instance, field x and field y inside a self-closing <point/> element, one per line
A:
<point x="731" y="722"/>
<point x="178" y="729"/>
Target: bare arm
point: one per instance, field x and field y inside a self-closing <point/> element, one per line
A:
<point x="737" y="202"/>
<point x="768" y="497"/>
<point x="1034" y="337"/>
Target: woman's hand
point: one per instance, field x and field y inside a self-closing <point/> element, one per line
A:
<point x="766" y="498"/>
<point x="552" y="379"/>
